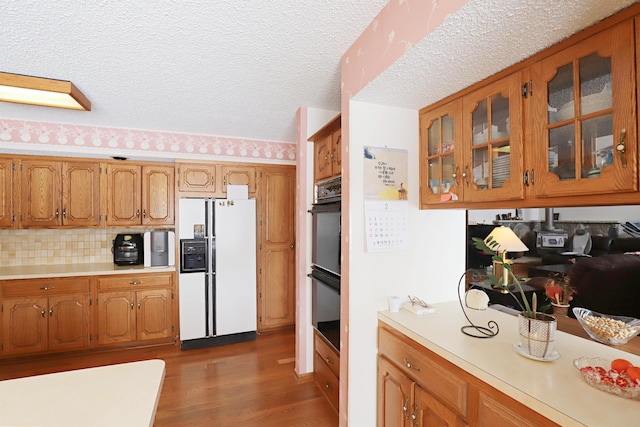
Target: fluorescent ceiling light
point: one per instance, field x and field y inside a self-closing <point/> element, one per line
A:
<point x="41" y="91"/>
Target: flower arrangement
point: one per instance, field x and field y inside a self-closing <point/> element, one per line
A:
<point x="559" y="290"/>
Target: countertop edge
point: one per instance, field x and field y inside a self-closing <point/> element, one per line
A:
<point x="75" y="270"/>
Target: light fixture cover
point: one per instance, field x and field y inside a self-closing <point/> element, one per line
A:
<point x="506" y="239"/>
<point x="41" y="91"/>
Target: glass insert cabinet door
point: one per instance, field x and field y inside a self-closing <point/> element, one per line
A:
<point x="492" y="118"/>
<point x="583" y="100"/>
<point x="440" y="154"/>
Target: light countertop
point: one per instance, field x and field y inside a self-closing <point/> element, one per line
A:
<point x="126" y="394"/>
<point x="554" y="389"/>
<point x="69" y="270"/>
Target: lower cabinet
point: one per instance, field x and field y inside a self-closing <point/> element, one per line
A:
<point x="326" y="364"/>
<point x="45" y="315"/>
<point x="417" y="387"/>
<point x="135" y="308"/>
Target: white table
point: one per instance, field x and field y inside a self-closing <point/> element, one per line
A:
<point x="115" y="395"/>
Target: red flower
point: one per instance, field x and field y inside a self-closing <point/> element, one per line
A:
<point x="554" y="292"/>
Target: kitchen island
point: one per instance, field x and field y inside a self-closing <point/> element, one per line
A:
<point x="554" y="390"/>
<point x="115" y="395"/>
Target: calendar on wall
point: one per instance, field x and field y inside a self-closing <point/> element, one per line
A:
<point x="386" y="225"/>
<point x="386" y="194"/>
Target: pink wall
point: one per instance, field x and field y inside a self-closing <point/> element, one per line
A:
<point x="31" y="135"/>
<point x="399" y="25"/>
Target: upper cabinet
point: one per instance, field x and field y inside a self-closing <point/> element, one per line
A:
<point x="239" y="175"/>
<point x="140" y="195"/>
<point x="199" y="178"/>
<point x="583" y="117"/>
<point x="327" y="157"/>
<point x="7" y="197"/>
<point x="559" y="129"/>
<point x="60" y="193"/>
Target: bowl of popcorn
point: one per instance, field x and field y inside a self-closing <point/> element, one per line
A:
<point x="605" y="328"/>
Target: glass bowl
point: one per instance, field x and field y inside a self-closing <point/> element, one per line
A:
<point x="597" y="373"/>
<point x="605" y="328"/>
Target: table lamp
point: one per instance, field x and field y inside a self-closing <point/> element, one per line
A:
<point x="502" y="240"/>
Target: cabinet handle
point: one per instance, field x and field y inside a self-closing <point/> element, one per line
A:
<point x="57" y="213"/>
<point x="131" y="306"/>
<point x="525" y="178"/>
<point x="213" y="181"/>
<point x="64" y="212"/>
<point x="144" y="213"/>
<point x="329" y="361"/>
<point x="464" y="175"/>
<point x="410" y="365"/>
<point x="42" y="312"/>
<point x="532" y="177"/>
<point x="405" y="407"/>
<point x="328" y="386"/>
<point x="47" y="288"/>
<point x="454" y="175"/>
<point x="138" y="306"/>
<point x="621" y="148"/>
<point x="135" y="282"/>
<point x="51" y="311"/>
<point x="138" y="213"/>
<point x="414" y="416"/>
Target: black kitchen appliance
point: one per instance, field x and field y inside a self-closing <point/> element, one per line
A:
<point x="128" y="249"/>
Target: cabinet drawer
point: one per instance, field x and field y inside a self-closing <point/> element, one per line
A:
<point x="327" y="353"/>
<point x="412" y="359"/>
<point x="56" y="286"/>
<point x="134" y="281"/>
<point x="327" y="381"/>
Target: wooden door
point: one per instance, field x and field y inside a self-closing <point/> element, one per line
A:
<point x="395" y="405"/>
<point x="493" y="149"/>
<point x="124" y="195"/>
<point x="116" y="317"/>
<point x="336" y="153"/>
<point x="154" y="317"/>
<point x="81" y="194"/>
<point x="276" y="270"/>
<point x="584" y="108"/>
<point x="7" y="214"/>
<point x="24" y="325"/>
<point x="239" y="175"/>
<point x="197" y="178"/>
<point x="158" y="200"/>
<point x="41" y="200"/>
<point x="429" y="412"/>
<point x="322" y="158"/>
<point x="69" y="322"/>
<point x="442" y="168"/>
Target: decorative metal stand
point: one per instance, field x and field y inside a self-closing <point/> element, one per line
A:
<point x="472" y="330"/>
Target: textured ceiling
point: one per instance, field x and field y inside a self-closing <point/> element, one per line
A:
<point x="242" y="68"/>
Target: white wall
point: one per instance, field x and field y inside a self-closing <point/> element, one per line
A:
<point x="430" y="269"/>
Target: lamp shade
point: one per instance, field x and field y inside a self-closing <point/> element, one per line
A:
<point x="41" y="91"/>
<point x="506" y="240"/>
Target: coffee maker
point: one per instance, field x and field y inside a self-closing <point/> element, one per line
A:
<point x="160" y="248"/>
<point x="128" y="249"/>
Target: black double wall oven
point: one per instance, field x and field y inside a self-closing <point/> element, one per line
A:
<point x="325" y="268"/>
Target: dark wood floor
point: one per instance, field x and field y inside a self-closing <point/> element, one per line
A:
<point x="246" y="384"/>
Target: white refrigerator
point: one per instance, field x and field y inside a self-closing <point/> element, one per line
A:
<point x="219" y="305"/>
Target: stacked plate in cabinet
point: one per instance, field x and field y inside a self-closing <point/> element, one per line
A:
<point x="501" y="170"/>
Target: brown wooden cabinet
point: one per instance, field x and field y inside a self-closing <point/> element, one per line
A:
<point x="558" y="129"/>
<point x="45" y="315"/>
<point x="60" y="193"/>
<point x="276" y="247"/>
<point x="417" y="387"/>
<point x="238" y="175"/>
<point x="198" y="178"/>
<point x="327" y="158"/>
<point x="326" y="364"/>
<point x="7" y="197"/>
<point x="583" y="106"/>
<point x="140" y="195"/>
<point x="135" y="308"/>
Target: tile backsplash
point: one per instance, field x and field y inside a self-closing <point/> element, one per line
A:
<point x="46" y="247"/>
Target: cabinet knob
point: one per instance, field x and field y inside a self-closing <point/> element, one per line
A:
<point x="144" y="213"/>
<point x="57" y="213"/>
<point x="132" y="305"/>
<point x="47" y="288"/>
<point x="42" y="312"/>
<point x="138" y="213"/>
<point x="64" y="212"/>
<point x="139" y="306"/>
<point x="51" y="311"/>
<point x="410" y="365"/>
